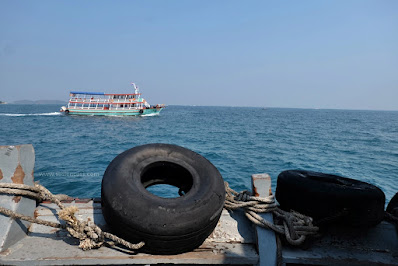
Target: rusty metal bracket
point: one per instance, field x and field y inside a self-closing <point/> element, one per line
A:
<point x="16" y="166"/>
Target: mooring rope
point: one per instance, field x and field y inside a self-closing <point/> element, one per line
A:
<point x="293" y="225"/>
<point x="390" y="217"/>
<point x="89" y="234"/>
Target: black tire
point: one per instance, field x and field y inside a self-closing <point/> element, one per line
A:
<point x="141" y="111"/>
<point x="166" y="225"/>
<point x="330" y="198"/>
<point x="67" y="112"/>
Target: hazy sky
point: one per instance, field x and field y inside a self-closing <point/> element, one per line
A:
<point x="309" y="54"/>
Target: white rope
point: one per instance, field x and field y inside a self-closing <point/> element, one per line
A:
<point x="293" y="225"/>
<point x="89" y="234"/>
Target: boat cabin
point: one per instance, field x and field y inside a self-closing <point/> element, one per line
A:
<point x="104" y="101"/>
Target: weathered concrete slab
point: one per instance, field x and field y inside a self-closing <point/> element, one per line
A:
<point x="233" y="227"/>
<point x="343" y="246"/>
<point x="44" y="251"/>
<point x="16" y="166"/>
<point x="230" y="243"/>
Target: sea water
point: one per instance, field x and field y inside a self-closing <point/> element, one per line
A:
<point x="72" y="152"/>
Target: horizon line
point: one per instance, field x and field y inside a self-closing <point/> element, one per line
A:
<point x="233" y="106"/>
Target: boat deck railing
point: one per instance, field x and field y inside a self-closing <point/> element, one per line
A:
<point x="107" y="101"/>
<point x="105" y="108"/>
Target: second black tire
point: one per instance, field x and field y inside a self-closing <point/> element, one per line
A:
<point x="166" y="225"/>
<point x="330" y="198"/>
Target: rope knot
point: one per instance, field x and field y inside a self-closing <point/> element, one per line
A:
<point x="293" y="225"/>
<point x="89" y="234"/>
<point x="244" y="196"/>
<point x="93" y="237"/>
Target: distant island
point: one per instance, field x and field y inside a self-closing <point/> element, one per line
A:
<point x="40" y="102"/>
<point x="1" y="102"/>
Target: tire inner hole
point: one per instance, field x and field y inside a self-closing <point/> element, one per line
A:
<point x="166" y="179"/>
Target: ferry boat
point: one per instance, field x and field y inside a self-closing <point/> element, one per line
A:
<point x="99" y="103"/>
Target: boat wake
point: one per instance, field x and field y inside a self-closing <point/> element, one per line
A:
<point x="34" y="114"/>
<point x="153" y="114"/>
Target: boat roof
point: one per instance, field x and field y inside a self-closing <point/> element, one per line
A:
<point x="90" y="93"/>
<point x="102" y="93"/>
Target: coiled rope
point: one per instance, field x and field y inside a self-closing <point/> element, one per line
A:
<point x="293" y="225"/>
<point x="89" y="234"/>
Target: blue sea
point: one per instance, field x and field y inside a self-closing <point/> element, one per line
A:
<point x="72" y="152"/>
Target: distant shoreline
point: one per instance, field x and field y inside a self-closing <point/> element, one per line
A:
<point x="58" y="102"/>
<point x="39" y="102"/>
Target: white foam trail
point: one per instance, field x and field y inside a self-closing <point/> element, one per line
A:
<point x="38" y="114"/>
<point x="53" y="113"/>
<point x="153" y="114"/>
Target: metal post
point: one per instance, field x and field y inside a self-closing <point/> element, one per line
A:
<point x="266" y="240"/>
